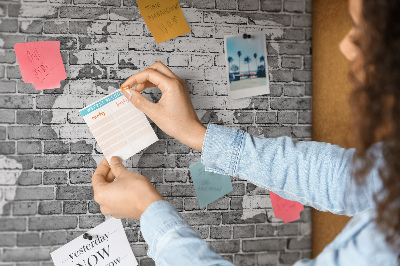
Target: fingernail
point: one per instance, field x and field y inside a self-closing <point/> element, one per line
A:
<point x="128" y="94"/>
<point x="115" y="160"/>
<point x="124" y="88"/>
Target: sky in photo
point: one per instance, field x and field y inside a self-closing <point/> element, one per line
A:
<point x="248" y="47"/>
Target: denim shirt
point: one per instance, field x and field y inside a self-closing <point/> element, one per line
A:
<point x="312" y="173"/>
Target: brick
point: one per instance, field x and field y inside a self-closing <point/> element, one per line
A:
<point x="56" y="147"/>
<point x="226" y="4"/>
<point x="75" y="192"/>
<point x="32" y="193"/>
<point x="7" y="147"/>
<point x="263" y="245"/>
<point x="245" y="259"/>
<point x="235" y="217"/>
<point x="8" y="25"/>
<point x="191" y="204"/>
<point x="237" y="203"/>
<point x="156" y="160"/>
<point x="158" y="147"/>
<point x="302" y="21"/>
<point x="131" y="14"/>
<point x="64" y="161"/>
<point x="29" y="147"/>
<point x="53" y="238"/>
<point x="289" y="257"/>
<point x="269" y="258"/>
<point x="26" y="88"/>
<point x="291" y="48"/>
<point x="24" y="208"/>
<point x="90" y="221"/>
<point x="295" y="90"/>
<point x="66" y="42"/>
<point x="176" y="175"/>
<point x="248" y="5"/>
<point x="55" y="27"/>
<point x="245" y="231"/>
<point x="83" y="12"/>
<point x="294" y="6"/>
<point x="75" y="207"/>
<point x="287" y="117"/>
<point x="8" y="239"/>
<point x="80" y="177"/>
<point x="81" y="147"/>
<point x="28" y="239"/>
<point x="270" y="131"/>
<point x="238" y="189"/>
<point x="280" y="75"/>
<point x="226" y="246"/>
<point x="12" y="224"/>
<point x="31" y="26"/>
<point x="93" y="207"/>
<point x="80" y="57"/>
<point x="53" y="222"/>
<point x="292" y="62"/>
<point x="55" y="178"/>
<point x="219" y="204"/>
<point x="8" y="41"/>
<point x="9" y="58"/>
<point x="2" y="132"/>
<point x="3" y="10"/>
<point x="271" y="5"/>
<point x="7" y="86"/>
<point x="31" y="132"/>
<point x="13" y="72"/>
<point x="291" y="104"/>
<point x="28" y="117"/>
<point x="302" y="75"/>
<point x="105" y="58"/>
<point x="302" y="131"/>
<point x="305" y="117"/>
<point x="88" y="71"/>
<point x="26" y="254"/>
<point x="7" y="116"/>
<point x="30" y="178"/>
<point x="15" y="102"/>
<point x="220" y="232"/>
<point x="266" y="117"/>
<point x="299" y="243"/>
<point x="176" y="202"/>
<point x="293" y="34"/>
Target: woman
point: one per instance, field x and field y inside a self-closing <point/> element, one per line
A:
<point x="316" y="174"/>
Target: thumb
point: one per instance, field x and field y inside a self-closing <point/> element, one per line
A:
<point x="138" y="100"/>
<point x="117" y="167"/>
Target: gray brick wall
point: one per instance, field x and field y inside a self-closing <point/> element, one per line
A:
<point x="47" y="154"/>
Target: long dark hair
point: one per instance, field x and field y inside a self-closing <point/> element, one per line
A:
<point x="376" y="106"/>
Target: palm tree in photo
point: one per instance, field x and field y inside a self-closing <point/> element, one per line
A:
<point x="239" y="53"/>
<point x="247" y="60"/>
<point x="262" y="59"/>
<point x="255" y="60"/>
<point x="230" y="60"/>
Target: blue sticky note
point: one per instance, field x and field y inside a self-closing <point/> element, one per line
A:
<point x="209" y="186"/>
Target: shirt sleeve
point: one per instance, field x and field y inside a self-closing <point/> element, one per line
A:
<point x="313" y="173"/>
<point x="172" y="241"/>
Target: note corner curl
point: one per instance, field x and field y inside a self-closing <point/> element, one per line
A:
<point x="41" y="63"/>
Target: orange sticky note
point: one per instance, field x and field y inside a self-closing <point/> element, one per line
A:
<point x="164" y="18"/>
<point x="41" y="63"/>
<point x="284" y="209"/>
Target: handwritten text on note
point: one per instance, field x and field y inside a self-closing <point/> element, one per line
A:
<point x="41" y="63"/>
<point x="164" y="18"/>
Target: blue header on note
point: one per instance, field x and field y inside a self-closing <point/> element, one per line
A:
<point x="100" y="103"/>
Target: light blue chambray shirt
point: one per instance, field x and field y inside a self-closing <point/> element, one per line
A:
<point x="312" y="173"/>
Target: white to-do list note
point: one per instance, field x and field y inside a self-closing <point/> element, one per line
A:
<point x="118" y="126"/>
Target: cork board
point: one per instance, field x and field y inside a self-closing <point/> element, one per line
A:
<point x="331" y="89"/>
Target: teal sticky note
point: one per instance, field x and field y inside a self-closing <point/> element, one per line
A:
<point x="209" y="186"/>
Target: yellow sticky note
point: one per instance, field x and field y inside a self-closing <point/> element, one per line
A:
<point x="164" y="18"/>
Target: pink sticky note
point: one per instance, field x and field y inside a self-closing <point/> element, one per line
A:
<point x="284" y="209"/>
<point x="41" y="64"/>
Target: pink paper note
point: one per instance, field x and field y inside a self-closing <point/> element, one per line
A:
<point x="41" y="64"/>
<point x="284" y="209"/>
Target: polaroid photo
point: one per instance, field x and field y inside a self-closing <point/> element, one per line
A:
<point x="246" y="64"/>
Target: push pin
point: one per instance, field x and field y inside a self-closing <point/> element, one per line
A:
<point x="246" y="36"/>
<point x="87" y="236"/>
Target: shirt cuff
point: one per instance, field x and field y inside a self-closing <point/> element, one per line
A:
<point x="221" y="151"/>
<point x="157" y="220"/>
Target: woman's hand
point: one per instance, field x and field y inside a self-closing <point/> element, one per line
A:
<point x="127" y="197"/>
<point x="174" y="112"/>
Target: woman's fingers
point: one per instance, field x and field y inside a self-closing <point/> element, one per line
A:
<point x="159" y="80"/>
<point x="100" y="175"/>
<point x="160" y="67"/>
